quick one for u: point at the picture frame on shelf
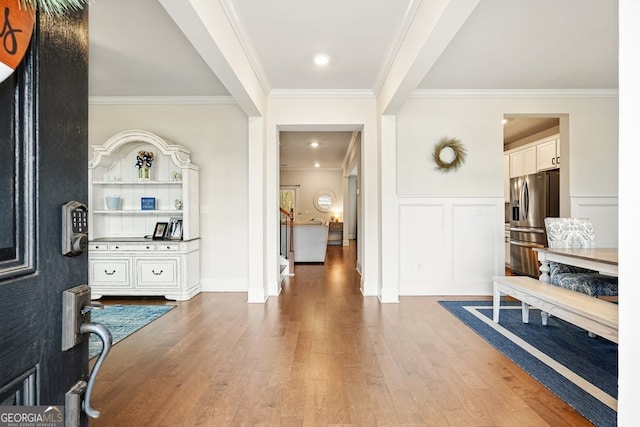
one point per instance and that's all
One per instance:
(174, 232)
(160, 231)
(148, 203)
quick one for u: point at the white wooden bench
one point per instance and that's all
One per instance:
(595, 315)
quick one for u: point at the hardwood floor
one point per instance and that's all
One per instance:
(319, 354)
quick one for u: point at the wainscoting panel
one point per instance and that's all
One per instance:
(424, 245)
(603, 213)
(474, 241)
(449, 246)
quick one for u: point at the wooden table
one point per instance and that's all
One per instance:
(604, 260)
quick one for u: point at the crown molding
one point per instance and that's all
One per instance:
(161, 100)
(513, 93)
(240, 29)
(393, 48)
(321, 93)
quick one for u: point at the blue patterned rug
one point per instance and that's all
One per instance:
(123, 320)
(582, 371)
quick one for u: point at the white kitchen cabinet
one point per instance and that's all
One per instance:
(124, 259)
(548, 154)
(534, 157)
(523, 162)
(507, 248)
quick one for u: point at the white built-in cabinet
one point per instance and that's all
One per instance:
(548, 154)
(523, 162)
(124, 259)
(534, 157)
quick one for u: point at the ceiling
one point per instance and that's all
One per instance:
(296, 151)
(502, 45)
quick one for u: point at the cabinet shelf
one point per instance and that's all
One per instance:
(137, 212)
(137, 182)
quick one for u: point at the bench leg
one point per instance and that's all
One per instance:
(496, 303)
(525, 312)
(545, 317)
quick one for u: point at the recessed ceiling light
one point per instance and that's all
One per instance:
(321, 59)
(317, 165)
(314, 144)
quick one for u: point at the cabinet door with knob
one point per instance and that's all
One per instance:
(549, 154)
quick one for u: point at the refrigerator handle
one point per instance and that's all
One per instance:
(526, 244)
(527, 230)
(525, 200)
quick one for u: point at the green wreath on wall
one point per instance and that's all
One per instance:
(449, 148)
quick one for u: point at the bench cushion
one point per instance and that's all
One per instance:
(582, 280)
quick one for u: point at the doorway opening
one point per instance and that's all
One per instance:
(531, 145)
(318, 183)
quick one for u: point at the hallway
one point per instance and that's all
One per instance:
(319, 354)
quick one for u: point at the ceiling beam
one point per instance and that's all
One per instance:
(434, 25)
(207, 27)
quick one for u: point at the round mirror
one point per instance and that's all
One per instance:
(323, 200)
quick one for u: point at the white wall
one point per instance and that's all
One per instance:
(451, 232)
(629, 350)
(217, 138)
(309, 182)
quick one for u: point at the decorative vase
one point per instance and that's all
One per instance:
(113, 203)
(143, 173)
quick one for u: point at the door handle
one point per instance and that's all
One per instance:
(107, 341)
(76, 327)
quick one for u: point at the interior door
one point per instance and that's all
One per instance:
(43, 164)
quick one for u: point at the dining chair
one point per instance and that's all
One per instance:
(576, 233)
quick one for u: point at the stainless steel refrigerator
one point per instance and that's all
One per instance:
(533, 198)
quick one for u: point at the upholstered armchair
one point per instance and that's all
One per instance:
(576, 233)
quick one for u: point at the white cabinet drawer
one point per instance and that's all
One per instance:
(153, 273)
(132, 247)
(168, 246)
(113, 271)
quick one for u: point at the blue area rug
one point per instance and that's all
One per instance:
(123, 320)
(582, 371)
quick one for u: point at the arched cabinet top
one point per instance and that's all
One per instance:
(112, 149)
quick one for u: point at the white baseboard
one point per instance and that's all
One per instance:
(224, 285)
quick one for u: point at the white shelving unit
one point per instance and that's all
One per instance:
(123, 258)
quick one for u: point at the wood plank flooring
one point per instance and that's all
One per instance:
(319, 354)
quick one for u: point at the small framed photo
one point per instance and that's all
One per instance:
(175, 229)
(160, 231)
(148, 203)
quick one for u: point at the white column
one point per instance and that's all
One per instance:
(389, 211)
(257, 292)
(629, 350)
